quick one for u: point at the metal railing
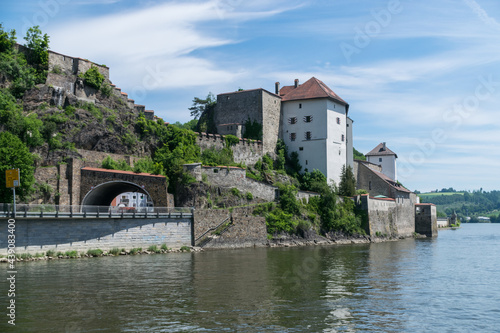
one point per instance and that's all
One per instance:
(221, 228)
(66, 211)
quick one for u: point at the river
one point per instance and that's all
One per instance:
(446, 284)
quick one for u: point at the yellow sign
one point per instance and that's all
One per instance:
(13, 178)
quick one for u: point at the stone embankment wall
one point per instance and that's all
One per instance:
(41, 235)
(426, 220)
(245, 230)
(388, 217)
(247, 151)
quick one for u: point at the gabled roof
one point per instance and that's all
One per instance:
(381, 150)
(391, 182)
(312, 88)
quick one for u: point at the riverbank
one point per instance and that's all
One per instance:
(282, 240)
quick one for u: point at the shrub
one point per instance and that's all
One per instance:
(93, 77)
(185, 248)
(154, 248)
(236, 192)
(164, 247)
(249, 196)
(114, 251)
(50, 253)
(95, 253)
(106, 89)
(279, 221)
(71, 254)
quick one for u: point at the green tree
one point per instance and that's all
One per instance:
(201, 106)
(93, 77)
(347, 186)
(38, 44)
(15, 154)
(358, 155)
(7, 40)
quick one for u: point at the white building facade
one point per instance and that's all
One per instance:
(386, 158)
(315, 124)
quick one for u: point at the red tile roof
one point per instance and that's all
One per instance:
(312, 88)
(379, 151)
(122, 172)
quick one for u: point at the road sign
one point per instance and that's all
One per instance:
(13, 178)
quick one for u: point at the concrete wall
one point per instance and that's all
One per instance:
(426, 220)
(247, 151)
(246, 230)
(41, 235)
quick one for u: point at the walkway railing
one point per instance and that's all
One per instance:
(63, 211)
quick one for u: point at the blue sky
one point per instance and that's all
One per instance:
(422, 76)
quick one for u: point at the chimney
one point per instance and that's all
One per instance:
(383, 146)
(277, 88)
(296, 83)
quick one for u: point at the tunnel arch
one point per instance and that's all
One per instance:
(103, 194)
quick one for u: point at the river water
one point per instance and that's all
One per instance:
(447, 284)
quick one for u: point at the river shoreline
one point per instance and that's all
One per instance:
(283, 240)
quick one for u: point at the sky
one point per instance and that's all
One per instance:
(422, 76)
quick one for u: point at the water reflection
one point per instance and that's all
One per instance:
(444, 284)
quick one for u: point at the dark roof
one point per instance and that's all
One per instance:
(312, 88)
(122, 172)
(391, 182)
(381, 151)
(247, 90)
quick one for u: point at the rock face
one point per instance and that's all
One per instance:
(203, 196)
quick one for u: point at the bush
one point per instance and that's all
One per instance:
(236, 192)
(109, 163)
(93, 77)
(249, 196)
(95, 253)
(279, 221)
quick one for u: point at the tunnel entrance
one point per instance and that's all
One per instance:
(103, 195)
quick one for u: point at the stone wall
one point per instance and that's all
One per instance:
(236, 108)
(387, 217)
(236, 177)
(426, 220)
(245, 230)
(246, 151)
(41, 235)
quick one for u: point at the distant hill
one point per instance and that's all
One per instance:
(464, 203)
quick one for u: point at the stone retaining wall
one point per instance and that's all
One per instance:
(41, 235)
(246, 230)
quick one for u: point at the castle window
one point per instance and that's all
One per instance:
(301, 148)
(370, 185)
(338, 121)
(380, 159)
(292, 120)
(308, 119)
(343, 138)
(308, 135)
(293, 136)
(306, 162)
(300, 106)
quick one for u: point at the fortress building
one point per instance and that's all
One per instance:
(311, 119)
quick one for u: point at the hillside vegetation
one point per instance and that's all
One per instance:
(465, 204)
